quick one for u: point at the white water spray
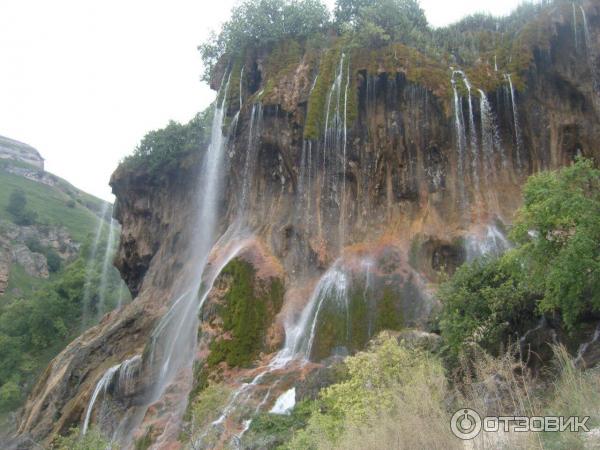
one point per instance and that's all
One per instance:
(106, 265)
(461, 141)
(518, 139)
(89, 272)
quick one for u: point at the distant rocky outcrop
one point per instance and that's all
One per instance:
(14, 248)
(18, 151)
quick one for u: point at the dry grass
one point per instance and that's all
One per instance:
(420, 418)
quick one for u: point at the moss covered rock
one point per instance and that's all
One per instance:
(246, 310)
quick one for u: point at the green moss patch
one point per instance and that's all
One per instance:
(247, 310)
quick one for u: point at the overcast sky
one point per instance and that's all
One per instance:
(83, 81)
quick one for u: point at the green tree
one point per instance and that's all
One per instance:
(260, 24)
(485, 303)
(558, 232)
(378, 22)
(554, 268)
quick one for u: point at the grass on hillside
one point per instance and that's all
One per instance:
(52, 205)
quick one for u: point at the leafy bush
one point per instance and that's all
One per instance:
(388, 379)
(555, 267)
(558, 233)
(271, 430)
(485, 303)
(53, 259)
(262, 23)
(17, 208)
(34, 328)
(379, 22)
(10, 396)
(92, 440)
(161, 151)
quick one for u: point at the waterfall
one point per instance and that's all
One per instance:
(241, 91)
(583, 348)
(101, 386)
(254, 134)
(178, 333)
(473, 136)
(90, 266)
(106, 265)
(490, 137)
(586, 30)
(518, 140)
(174, 339)
(335, 143)
(590, 53)
(575, 27)
(493, 242)
(127, 373)
(285, 403)
(123, 374)
(299, 337)
(461, 141)
(367, 265)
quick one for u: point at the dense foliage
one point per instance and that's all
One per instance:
(161, 151)
(17, 208)
(554, 268)
(380, 22)
(36, 325)
(558, 233)
(255, 23)
(388, 377)
(30, 329)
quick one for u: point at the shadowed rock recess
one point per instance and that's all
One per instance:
(334, 194)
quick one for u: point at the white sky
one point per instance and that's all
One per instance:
(83, 81)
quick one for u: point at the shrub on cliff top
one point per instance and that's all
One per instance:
(379, 22)
(161, 151)
(260, 23)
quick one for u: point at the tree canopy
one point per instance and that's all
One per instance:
(553, 269)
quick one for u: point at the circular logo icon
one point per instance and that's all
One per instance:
(465, 424)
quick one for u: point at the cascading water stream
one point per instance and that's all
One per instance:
(518, 139)
(583, 348)
(490, 137)
(492, 242)
(461, 141)
(101, 386)
(174, 339)
(575, 27)
(590, 50)
(106, 265)
(299, 338)
(89, 271)
(472, 135)
(241, 88)
(254, 133)
(335, 144)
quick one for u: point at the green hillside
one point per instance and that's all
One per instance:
(56, 267)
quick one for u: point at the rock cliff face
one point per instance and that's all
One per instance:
(350, 181)
(18, 151)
